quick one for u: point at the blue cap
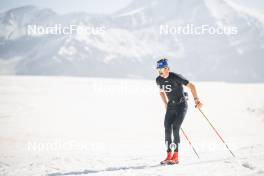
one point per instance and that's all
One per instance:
(162, 63)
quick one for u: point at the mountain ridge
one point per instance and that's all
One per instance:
(132, 42)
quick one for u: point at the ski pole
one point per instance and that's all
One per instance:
(189, 142)
(216, 132)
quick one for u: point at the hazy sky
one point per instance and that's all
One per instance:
(64, 6)
(98, 6)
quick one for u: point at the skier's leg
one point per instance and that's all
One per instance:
(168, 129)
(168, 132)
(178, 119)
(181, 111)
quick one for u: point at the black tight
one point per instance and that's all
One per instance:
(172, 123)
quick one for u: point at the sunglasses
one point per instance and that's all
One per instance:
(161, 70)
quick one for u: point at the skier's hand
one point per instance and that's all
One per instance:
(198, 104)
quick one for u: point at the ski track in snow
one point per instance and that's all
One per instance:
(236, 163)
(142, 167)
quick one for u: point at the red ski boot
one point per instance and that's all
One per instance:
(174, 159)
(167, 160)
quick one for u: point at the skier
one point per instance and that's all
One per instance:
(174, 99)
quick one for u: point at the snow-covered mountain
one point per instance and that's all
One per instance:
(131, 42)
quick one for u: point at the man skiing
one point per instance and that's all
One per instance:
(174, 99)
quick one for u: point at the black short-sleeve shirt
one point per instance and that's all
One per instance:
(172, 86)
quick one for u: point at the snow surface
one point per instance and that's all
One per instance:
(95, 126)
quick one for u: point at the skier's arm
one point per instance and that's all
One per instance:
(163, 98)
(191, 86)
